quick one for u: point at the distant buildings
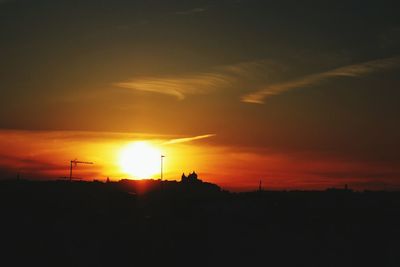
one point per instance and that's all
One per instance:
(345, 189)
(191, 178)
(195, 186)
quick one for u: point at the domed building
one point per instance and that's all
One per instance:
(191, 178)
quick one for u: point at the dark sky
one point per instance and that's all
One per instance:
(313, 77)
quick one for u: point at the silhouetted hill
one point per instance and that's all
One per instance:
(149, 223)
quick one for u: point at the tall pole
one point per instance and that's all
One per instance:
(162, 159)
(70, 171)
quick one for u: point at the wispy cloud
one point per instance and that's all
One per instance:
(355, 70)
(191, 11)
(180, 86)
(253, 72)
(188, 139)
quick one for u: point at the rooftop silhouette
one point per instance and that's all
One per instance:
(150, 222)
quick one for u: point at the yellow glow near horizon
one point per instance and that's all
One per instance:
(140, 159)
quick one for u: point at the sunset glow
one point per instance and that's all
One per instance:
(237, 91)
(140, 160)
(200, 133)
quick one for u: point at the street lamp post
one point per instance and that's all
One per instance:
(162, 159)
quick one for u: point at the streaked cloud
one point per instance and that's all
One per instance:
(95, 136)
(188, 139)
(180, 86)
(356, 70)
(256, 72)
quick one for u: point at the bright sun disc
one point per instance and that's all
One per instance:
(140, 159)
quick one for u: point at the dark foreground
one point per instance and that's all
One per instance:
(96, 224)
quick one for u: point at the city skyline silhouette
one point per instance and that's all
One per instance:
(199, 133)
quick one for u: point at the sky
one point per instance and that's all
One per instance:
(298, 94)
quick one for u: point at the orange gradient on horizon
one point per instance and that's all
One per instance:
(47, 155)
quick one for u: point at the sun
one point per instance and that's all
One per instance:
(140, 160)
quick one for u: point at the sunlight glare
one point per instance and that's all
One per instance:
(140, 159)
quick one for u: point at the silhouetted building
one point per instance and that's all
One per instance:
(191, 178)
(345, 189)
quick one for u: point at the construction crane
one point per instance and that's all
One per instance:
(75, 162)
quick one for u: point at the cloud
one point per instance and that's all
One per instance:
(192, 11)
(29, 164)
(355, 70)
(196, 83)
(256, 72)
(188, 139)
(178, 87)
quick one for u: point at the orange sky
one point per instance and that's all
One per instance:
(304, 99)
(46, 155)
